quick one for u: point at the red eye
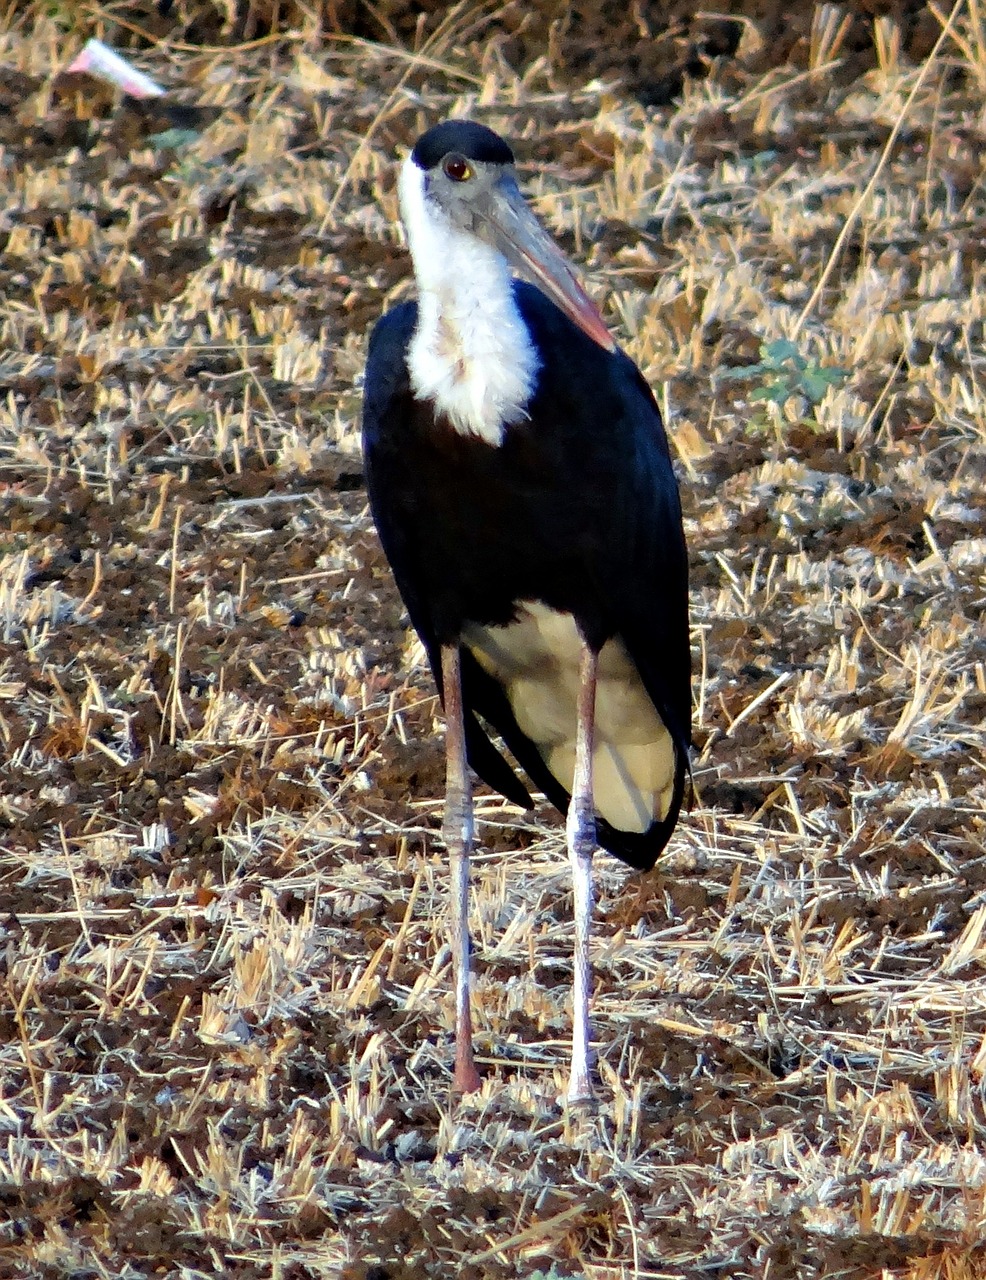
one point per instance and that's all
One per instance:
(457, 168)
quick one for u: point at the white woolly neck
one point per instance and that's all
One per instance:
(471, 352)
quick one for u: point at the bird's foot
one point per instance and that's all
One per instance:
(466, 1078)
(581, 1090)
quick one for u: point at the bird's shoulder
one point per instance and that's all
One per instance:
(574, 364)
(386, 360)
(392, 332)
(594, 396)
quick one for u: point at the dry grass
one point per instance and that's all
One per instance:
(225, 983)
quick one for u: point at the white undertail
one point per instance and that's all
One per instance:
(536, 659)
(471, 352)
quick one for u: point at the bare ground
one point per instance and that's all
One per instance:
(225, 986)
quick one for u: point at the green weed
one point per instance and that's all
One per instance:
(784, 373)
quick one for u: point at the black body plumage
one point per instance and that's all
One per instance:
(577, 509)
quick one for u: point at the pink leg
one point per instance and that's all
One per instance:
(580, 830)
(457, 830)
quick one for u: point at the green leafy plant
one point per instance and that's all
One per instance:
(783, 373)
(173, 139)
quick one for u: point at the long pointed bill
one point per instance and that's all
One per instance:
(527, 246)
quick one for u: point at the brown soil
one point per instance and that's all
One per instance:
(224, 989)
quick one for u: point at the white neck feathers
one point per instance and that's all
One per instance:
(471, 352)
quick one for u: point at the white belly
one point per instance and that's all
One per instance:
(536, 659)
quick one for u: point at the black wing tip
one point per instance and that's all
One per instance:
(641, 850)
(472, 140)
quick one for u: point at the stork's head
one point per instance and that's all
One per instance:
(460, 179)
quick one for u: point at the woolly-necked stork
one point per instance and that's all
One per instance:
(520, 480)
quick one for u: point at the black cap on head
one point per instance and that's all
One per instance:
(474, 141)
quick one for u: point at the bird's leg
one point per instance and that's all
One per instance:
(580, 829)
(457, 830)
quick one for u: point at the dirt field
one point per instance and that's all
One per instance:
(225, 1017)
